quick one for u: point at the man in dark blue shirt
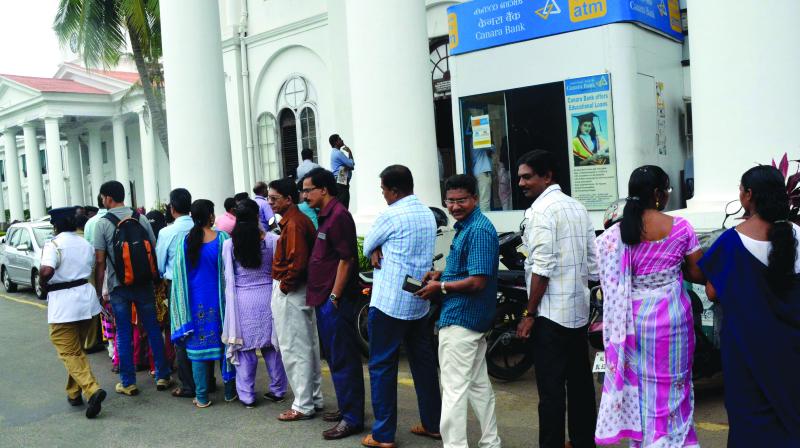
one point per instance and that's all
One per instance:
(468, 287)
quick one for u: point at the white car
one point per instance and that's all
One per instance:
(21, 253)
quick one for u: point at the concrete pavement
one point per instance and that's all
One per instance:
(34, 411)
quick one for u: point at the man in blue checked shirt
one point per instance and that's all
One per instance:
(400, 243)
(468, 287)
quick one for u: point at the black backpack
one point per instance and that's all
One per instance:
(133, 256)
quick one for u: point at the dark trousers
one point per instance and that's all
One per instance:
(385, 335)
(343, 194)
(562, 362)
(339, 346)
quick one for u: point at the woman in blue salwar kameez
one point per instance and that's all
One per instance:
(753, 271)
(197, 307)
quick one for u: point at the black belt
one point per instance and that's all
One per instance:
(66, 285)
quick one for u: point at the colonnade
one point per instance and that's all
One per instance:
(65, 178)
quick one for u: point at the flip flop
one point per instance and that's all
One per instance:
(368, 441)
(421, 431)
(200, 405)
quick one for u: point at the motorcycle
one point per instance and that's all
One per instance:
(507, 357)
(707, 358)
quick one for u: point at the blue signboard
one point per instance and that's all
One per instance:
(480, 24)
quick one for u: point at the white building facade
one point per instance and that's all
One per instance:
(64, 136)
(390, 78)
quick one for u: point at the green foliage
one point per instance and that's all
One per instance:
(363, 262)
(102, 27)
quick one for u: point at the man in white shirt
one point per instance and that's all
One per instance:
(66, 265)
(560, 240)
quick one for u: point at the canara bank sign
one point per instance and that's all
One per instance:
(481, 24)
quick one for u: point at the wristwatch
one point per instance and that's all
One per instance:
(444, 290)
(333, 298)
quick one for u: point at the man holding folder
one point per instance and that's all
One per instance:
(401, 244)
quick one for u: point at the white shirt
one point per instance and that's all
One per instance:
(560, 241)
(761, 249)
(72, 257)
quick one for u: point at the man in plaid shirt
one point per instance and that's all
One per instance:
(400, 243)
(468, 287)
(561, 261)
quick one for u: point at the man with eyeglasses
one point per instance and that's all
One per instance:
(468, 289)
(560, 239)
(294, 319)
(332, 285)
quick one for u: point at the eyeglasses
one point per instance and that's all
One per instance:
(460, 201)
(274, 198)
(309, 190)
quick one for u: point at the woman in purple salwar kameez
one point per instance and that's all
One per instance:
(248, 325)
(648, 328)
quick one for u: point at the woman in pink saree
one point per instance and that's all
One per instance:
(648, 328)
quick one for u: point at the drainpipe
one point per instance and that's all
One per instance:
(248, 122)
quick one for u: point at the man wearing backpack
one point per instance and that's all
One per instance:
(125, 256)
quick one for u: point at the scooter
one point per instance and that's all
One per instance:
(707, 358)
(507, 357)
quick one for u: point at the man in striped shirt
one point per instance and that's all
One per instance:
(561, 261)
(400, 243)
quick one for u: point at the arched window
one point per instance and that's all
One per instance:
(289, 152)
(267, 147)
(308, 130)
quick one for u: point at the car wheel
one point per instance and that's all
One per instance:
(7, 283)
(37, 287)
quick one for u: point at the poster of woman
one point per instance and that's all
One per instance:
(590, 144)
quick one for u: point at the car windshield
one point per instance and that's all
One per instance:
(42, 235)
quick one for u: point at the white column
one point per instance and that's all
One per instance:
(148, 162)
(12, 175)
(744, 65)
(36, 203)
(378, 26)
(95, 160)
(121, 156)
(200, 156)
(55, 167)
(76, 196)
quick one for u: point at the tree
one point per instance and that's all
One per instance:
(101, 28)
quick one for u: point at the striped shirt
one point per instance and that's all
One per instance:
(560, 241)
(474, 251)
(406, 233)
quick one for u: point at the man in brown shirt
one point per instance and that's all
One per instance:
(295, 321)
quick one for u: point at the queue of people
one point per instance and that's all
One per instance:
(290, 297)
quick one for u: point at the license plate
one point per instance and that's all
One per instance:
(599, 365)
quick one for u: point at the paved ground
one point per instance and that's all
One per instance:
(34, 411)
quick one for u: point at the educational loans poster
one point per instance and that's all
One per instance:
(590, 128)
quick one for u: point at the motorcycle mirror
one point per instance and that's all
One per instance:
(731, 210)
(440, 216)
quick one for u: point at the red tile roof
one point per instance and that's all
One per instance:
(131, 77)
(53, 85)
(122, 76)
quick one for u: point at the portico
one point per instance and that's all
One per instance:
(64, 136)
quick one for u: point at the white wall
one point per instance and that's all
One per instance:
(632, 55)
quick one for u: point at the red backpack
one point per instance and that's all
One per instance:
(133, 255)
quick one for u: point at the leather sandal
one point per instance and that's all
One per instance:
(292, 416)
(180, 393)
(368, 441)
(421, 431)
